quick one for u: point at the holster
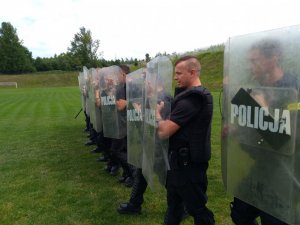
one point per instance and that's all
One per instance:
(180, 158)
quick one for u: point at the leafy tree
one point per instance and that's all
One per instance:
(14, 57)
(39, 64)
(45, 64)
(84, 49)
(64, 61)
(161, 54)
(147, 57)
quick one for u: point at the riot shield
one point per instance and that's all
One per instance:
(135, 85)
(81, 83)
(224, 120)
(86, 78)
(91, 98)
(158, 88)
(260, 110)
(96, 93)
(112, 88)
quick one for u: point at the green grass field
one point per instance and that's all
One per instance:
(43, 79)
(49, 177)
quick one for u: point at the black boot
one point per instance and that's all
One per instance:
(204, 217)
(96, 150)
(128, 208)
(90, 142)
(114, 170)
(172, 219)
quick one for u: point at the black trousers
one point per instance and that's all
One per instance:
(119, 154)
(138, 189)
(187, 186)
(104, 144)
(244, 214)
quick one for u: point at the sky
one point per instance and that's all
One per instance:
(132, 28)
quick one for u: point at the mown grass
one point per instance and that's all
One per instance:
(49, 177)
(43, 79)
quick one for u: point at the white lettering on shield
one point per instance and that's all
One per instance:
(150, 116)
(259, 118)
(108, 100)
(134, 115)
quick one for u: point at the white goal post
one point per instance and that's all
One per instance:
(9, 84)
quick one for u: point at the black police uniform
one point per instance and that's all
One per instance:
(119, 146)
(140, 184)
(112, 165)
(189, 153)
(243, 213)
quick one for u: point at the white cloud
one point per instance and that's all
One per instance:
(133, 28)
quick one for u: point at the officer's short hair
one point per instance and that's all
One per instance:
(193, 62)
(268, 47)
(125, 68)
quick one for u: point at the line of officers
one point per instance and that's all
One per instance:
(157, 140)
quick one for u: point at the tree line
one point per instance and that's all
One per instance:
(15, 58)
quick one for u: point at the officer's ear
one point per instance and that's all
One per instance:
(193, 72)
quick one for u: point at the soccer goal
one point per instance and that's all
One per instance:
(9, 84)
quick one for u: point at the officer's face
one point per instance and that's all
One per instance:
(122, 77)
(109, 83)
(260, 66)
(182, 75)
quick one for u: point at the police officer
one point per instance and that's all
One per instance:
(119, 146)
(188, 130)
(265, 68)
(140, 184)
(103, 143)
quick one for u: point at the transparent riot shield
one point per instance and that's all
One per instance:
(259, 131)
(86, 84)
(96, 93)
(158, 88)
(112, 86)
(81, 83)
(135, 85)
(91, 98)
(224, 118)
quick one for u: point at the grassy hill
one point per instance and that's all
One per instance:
(43, 79)
(212, 73)
(212, 69)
